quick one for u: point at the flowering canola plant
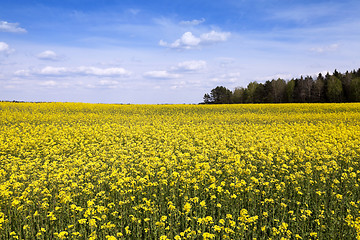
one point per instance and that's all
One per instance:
(101, 171)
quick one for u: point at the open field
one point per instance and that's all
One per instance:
(94, 171)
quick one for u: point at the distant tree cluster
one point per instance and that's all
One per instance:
(336, 87)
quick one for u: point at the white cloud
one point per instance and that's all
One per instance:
(22, 72)
(214, 37)
(4, 48)
(189, 41)
(101, 71)
(48, 55)
(178, 85)
(161, 75)
(11, 27)
(323, 49)
(50, 83)
(193, 22)
(285, 76)
(53, 71)
(108, 83)
(191, 65)
(82, 70)
(228, 78)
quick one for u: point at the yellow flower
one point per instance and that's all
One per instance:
(313, 234)
(127, 231)
(110, 237)
(217, 228)
(82, 221)
(63, 235)
(187, 207)
(189, 170)
(92, 222)
(208, 236)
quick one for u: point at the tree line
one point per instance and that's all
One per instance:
(335, 87)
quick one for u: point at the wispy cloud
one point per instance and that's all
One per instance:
(50, 83)
(103, 83)
(190, 66)
(178, 70)
(11, 27)
(5, 48)
(305, 13)
(102, 71)
(134, 11)
(285, 76)
(82, 70)
(226, 61)
(233, 77)
(48, 55)
(161, 75)
(189, 41)
(328, 48)
(193, 22)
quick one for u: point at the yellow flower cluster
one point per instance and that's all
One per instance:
(96, 171)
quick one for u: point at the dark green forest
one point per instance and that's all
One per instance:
(335, 87)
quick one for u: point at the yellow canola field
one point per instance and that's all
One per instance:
(96, 171)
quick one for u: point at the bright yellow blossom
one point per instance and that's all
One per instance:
(107, 171)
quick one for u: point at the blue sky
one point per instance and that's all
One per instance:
(167, 51)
